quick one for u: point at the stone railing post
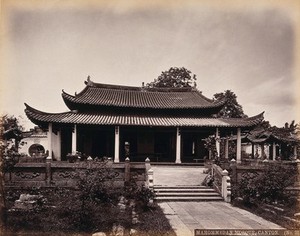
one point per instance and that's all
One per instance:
(150, 179)
(89, 161)
(110, 162)
(233, 170)
(127, 170)
(147, 168)
(298, 173)
(226, 186)
(147, 164)
(48, 170)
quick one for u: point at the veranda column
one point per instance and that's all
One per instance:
(238, 146)
(295, 152)
(226, 148)
(59, 145)
(262, 147)
(178, 145)
(74, 139)
(217, 142)
(50, 140)
(274, 151)
(117, 144)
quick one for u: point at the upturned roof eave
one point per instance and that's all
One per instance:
(75, 117)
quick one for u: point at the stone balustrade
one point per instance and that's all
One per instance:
(64, 174)
(221, 182)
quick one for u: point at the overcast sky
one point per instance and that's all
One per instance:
(249, 50)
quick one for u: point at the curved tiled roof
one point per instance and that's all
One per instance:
(96, 94)
(74, 117)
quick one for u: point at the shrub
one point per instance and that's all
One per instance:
(268, 186)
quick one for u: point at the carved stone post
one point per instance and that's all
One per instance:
(48, 171)
(150, 179)
(233, 171)
(239, 146)
(226, 186)
(127, 170)
(147, 164)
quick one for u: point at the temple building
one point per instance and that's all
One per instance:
(163, 124)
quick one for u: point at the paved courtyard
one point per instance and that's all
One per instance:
(187, 216)
(178, 175)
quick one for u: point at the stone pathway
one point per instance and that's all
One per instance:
(187, 216)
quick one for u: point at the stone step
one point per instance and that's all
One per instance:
(172, 165)
(186, 194)
(193, 190)
(181, 187)
(184, 198)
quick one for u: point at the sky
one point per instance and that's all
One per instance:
(249, 49)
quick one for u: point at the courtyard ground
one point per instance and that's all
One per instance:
(184, 217)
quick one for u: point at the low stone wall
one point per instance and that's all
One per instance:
(64, 174)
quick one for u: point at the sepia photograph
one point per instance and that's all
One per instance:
(151, 118)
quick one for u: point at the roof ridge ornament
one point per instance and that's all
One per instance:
(89, 82)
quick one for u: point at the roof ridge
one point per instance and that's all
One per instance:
(90, 83)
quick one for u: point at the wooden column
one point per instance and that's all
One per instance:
(49, 136)
(274, 151)
(59, 145)
(178, 146)
(74, 139)
(226, 148)
(238, 146)
(217, 142)
(117, 144)
(262, 147)
(295, 152)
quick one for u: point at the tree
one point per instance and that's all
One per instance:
(174, 78)
(2, 191)
(231, 108)
(10, 128)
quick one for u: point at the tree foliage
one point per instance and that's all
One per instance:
(10, 128)
(268, 186)
(174, 78)
(231, 108)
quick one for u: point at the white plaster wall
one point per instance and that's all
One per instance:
(248, 149)
(42, 140)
